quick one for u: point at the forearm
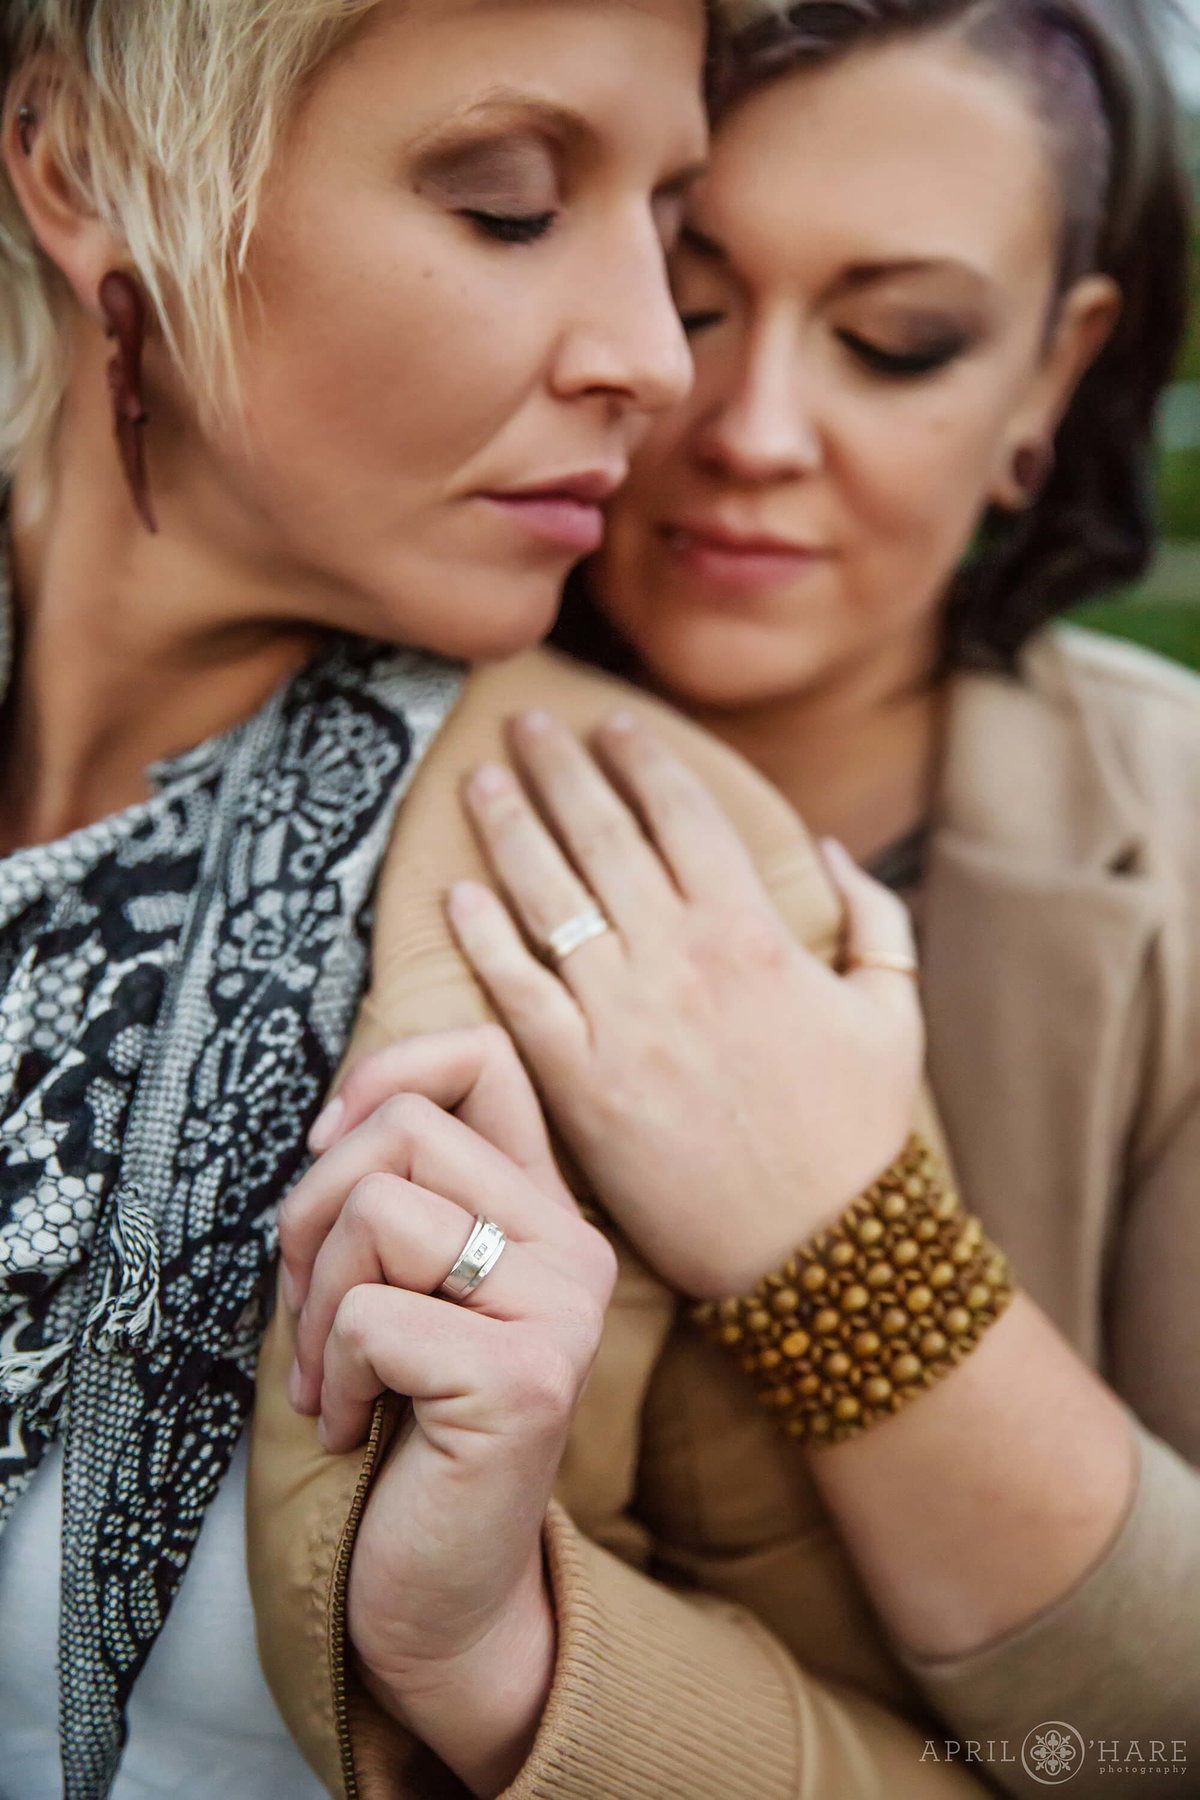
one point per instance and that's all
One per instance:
(989, 1497)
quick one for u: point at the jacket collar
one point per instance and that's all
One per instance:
(1033, 774)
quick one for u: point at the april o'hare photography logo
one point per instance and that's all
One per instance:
(1053, 1753)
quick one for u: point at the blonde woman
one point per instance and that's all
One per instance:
(326, 326)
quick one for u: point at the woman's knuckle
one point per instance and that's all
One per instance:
(353, 1321)
(603, 835)
(599, 1260)
(289, 1232)
(493, 1042)
(370, 1201)
(406, 1118)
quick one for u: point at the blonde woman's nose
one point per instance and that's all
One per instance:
(626, 341)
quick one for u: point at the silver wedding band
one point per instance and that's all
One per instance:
(480, 1254)
(571, 936)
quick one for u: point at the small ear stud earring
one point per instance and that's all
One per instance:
(26, 124)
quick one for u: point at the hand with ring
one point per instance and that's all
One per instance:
(725, 1092)
(435, 1252)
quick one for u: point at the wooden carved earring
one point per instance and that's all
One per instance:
(124, 307)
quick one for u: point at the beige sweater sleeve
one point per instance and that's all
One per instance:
(1118, 1658)
(660, 1695)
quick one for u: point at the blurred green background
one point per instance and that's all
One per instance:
(1164, 612)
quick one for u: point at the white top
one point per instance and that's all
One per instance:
(202, 1722)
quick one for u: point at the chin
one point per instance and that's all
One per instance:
(478, 615)
(706, 670)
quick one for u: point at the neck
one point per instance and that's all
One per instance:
(857, 756)
(130, 647)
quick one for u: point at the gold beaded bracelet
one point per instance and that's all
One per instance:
(871, 1312)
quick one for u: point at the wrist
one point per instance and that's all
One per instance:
(480, 1710)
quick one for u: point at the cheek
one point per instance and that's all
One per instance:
(386, 352)
(913, 481)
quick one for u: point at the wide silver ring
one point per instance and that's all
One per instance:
(571, 936)
(479, 1256)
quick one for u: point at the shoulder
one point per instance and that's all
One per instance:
(1139, 712)
(420, 981)
(1121, 679)
(583, 697)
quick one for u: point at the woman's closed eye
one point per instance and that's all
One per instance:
(924, 359)
(509, 228)
(505, 189)
(695, 319)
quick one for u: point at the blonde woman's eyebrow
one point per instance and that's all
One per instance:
(501, 109)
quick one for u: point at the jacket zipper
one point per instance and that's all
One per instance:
(337, 1606)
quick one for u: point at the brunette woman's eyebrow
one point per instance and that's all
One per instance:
(864, 275)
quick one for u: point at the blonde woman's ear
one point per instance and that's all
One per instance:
(61, 216)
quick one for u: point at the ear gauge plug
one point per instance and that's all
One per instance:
(1033, 466)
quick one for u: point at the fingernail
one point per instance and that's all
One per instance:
(467, 899)
(621, 722)
(322, 1434)
(288, 1288)
(536, 722)
(296, 1387)
(492, 778)
(325, 1125)
(835, 850)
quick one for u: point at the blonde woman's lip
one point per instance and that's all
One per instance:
(565, 511)
(557, 519)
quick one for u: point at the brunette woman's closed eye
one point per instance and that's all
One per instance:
(928, 359)
(701, 319)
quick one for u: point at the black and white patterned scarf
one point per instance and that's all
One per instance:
(177, 985)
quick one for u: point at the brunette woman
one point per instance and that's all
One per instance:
(934, 284)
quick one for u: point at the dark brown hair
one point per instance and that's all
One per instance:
(1095, 71)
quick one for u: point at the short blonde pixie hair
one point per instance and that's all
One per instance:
(166, 114)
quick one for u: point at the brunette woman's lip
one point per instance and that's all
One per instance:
(738, 560)
(558, 519)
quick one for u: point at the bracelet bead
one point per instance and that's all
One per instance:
(871, 1312)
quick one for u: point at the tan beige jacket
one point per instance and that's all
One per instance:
(715, 1643)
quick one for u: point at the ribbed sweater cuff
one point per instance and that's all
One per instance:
(655, 1695)
(1119, 1656)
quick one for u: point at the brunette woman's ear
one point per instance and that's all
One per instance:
(1087, 316)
